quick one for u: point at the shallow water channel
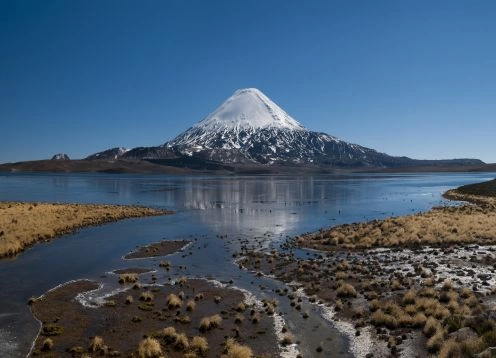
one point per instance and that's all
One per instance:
(217, 214)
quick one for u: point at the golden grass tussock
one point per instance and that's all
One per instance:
(23, 224)
(190, 305)
(380, 318)
(287, 339)
(129, 299)
(236, 350)
(96, 344)
(47, 344)
(431, 326)
(346, 290)
(173, 301)
(182, 342)
(146, 296)
(450, 349)
(466, 292)
(435, 342)
(208, 323)
(128, 278)
(149, 348)
(241, 307)
(169, 334)
(199, 344)
(182, 281)
(409, 297)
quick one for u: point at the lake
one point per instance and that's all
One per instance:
(216, 212)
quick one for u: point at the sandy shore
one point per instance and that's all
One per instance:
(23, 224)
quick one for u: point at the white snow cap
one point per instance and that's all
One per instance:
(248, 108)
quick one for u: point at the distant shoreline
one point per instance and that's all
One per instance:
(120, 166)
(22, 224)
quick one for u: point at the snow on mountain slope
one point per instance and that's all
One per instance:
(249, 127)
(248, 109)
(109, 154)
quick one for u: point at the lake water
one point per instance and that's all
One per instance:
(263, 210)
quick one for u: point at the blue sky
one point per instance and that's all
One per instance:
(415, 78)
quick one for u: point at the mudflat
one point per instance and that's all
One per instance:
(22, 224)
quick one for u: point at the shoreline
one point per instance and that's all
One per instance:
(415, 297)
(23, 224)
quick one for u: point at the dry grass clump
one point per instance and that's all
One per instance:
(128, 278)
(129, 299)
(447, 285)
(199, 344)
(379, 318)
(173, 301)
(431, 326)
(340, 275)
(191, 305)
(239, 318)
(208, 323)
(96, 344)
(182, 281)
(409, 297)
(241, 307)
(287, 339)
(236, 350)
(346, 290)
(181, 343)
(466, 292)
(149, 348)
(146, 296)
(47, 344)
(435, 342)
(169, 334)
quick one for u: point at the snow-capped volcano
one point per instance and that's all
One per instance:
(249, 127)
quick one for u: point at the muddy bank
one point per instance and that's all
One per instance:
(171, 314)
(23, 224)
(162, 248)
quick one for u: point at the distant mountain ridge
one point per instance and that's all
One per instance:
(250, 129)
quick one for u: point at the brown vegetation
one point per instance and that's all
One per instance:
(23, 224)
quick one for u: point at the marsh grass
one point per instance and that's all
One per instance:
(173, 301)
(149, 348)
(236, 350)
(200, 345)
(96, 344)
(128, 278)
(208, 323)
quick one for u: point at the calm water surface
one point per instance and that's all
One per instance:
(263, 210)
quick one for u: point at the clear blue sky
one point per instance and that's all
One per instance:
(415, 78)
